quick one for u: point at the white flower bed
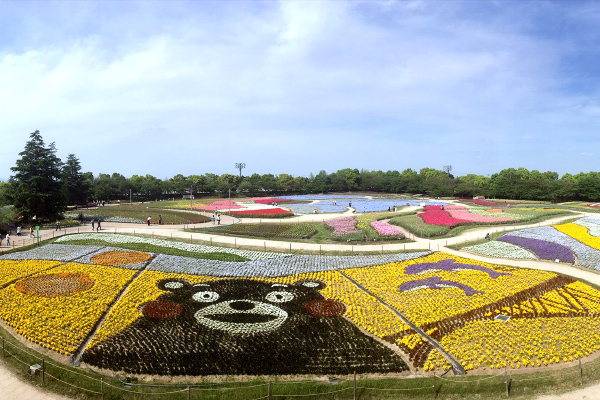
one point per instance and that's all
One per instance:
(196, 248)
(586, 255)
(288, 265)
(58, 252)
(501, 250)
(592, 225)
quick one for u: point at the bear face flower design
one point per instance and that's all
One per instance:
(218, 305)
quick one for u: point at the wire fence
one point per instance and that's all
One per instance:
(93, 386)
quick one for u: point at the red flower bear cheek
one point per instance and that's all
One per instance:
(161, 309)
(325, 307)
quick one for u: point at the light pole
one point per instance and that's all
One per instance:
(239, 166)
(191, 198)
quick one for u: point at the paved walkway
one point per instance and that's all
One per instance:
(11, 387)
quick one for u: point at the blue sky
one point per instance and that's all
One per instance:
(190, 87)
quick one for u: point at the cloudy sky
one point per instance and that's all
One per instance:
(168, 87)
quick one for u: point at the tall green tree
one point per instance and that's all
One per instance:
(74, 183)
(35, 188)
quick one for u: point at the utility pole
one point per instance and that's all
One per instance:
(191, 198)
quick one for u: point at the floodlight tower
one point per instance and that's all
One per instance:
(240, 166)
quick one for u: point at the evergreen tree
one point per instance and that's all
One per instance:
(75, 186)
(35, 188)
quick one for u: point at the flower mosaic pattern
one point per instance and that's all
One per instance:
(500, 249)
(543, 249)
(311, 310)
(586, 255)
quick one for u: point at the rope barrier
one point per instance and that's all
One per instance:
(469, 381)
(75, 386)
(74, 372)
(394, 389)
(230, 388)
(145, 393)
(311, 394)
(17, 358)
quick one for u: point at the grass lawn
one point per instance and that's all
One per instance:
(140, 212)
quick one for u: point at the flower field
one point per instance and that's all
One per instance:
(266, 230)
(577, 243)
(291, 314)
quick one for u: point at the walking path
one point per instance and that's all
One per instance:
(12, 387)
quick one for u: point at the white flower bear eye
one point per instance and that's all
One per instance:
(205, 297)
(279, 297)
(173, 285)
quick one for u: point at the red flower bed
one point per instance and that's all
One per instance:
(434, 215)
(481, 202)
(266, 211)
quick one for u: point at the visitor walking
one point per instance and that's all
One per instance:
(98, 229)
(31, 231)
(7, 239)
(159, 219)
(218, 219)
(93, 224)
(149, 219)
(213, 219)
(58, 225)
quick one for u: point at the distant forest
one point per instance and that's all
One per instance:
(509, 183)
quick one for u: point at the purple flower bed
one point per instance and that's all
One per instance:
(544, 250)
(343, 226)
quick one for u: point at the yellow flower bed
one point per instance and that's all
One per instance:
(430, 305)
(364, 310)
(13, 269)
(61, 323)
(519, 343)
(141, 291)
(579, 233)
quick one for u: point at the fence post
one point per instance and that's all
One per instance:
(434, 390)
(290, 247)
(102, 387)
(354, 385)
(188, 393)
(235, 243)
(580, 373)
(3, 354)
(190, 239)
(265, 243)
(43, 372)
(506, 380)
(269, 391)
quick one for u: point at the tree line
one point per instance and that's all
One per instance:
(43, 185)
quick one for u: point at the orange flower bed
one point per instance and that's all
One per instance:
(119, 257)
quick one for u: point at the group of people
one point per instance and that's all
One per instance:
(149, 219)
(97, 224)
(216, 217)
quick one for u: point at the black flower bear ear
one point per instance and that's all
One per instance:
(309, 283)
(173, 285)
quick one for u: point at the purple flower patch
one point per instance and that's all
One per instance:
(449, 265)
(436, 282)
(544, 250)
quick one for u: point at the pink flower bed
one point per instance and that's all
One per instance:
(221, 205)
(266, 211)
(267, 200)
(467, 215)
(385, 229)
(481, 202)
(343, 226)
(434, 215)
